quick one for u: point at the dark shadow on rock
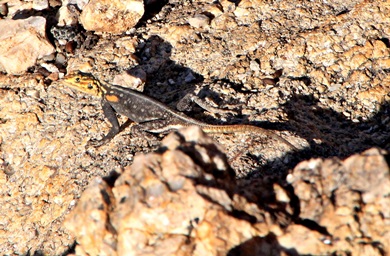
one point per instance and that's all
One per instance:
(340, 136)
(169, 82)
(267, 245)
(152, 8)
(49, 14)
(330, 133)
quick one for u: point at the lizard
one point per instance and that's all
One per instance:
(152, 115)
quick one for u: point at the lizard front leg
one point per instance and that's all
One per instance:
(109, 113)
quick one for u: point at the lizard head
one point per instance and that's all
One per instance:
(84, 82)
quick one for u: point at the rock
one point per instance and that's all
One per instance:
(111, 16)
(50, 71)
(199, 21)
(22, 42)
(50, 67)
(31, 202)
(67, 15)
(134, 79)
(175, 34)
(3, 9)
(346, 200)
(40, 4)
(97, 238)
(84, 65)
(80, 3)
(128, 44)
(146, 204)
(15, 6)
(333, 56)
(184, 200)
(168, 204)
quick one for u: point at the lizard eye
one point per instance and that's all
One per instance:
(90, 86)
(77, 79)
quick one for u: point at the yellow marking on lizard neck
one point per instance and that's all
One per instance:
(85, 83)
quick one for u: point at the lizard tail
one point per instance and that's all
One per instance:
(242, 128)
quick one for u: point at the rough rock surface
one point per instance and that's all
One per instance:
(111, 16)
(185, 201)
(22, 42)
(316, 73)
(345, 203)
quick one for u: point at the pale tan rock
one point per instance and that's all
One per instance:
(94, 238)
(80, 3)
(199, 21)
(379, 49)
(215, 9)
(289, 58)
(67, 15)
(50, 67)
(84, 65)
(333, 192)
(129, 44)
(228, 6)
(111, 16)
(241, 12)
(378, 94)
(132, 79)
(225, 21)
(318, 49)
(3, 9)
(383, 63)
(22, 42)
(175, 34)
(36, 198)
(155, 201)
(303, 241)
(320, 77)
(15, 6)
(40, 4)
